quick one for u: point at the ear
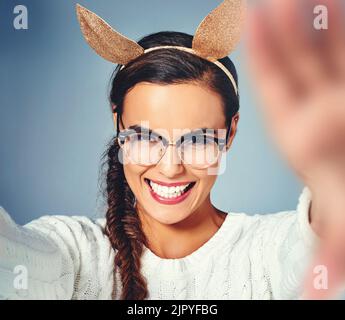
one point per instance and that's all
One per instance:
(219, 33)
(115, 116)
(108, 43)
(115, 119)
(234, 124)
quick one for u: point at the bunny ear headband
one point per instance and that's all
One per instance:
(215, 38)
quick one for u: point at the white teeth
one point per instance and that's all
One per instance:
(168, 192)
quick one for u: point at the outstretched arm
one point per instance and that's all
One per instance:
(298, 64)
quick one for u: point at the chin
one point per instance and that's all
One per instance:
(168, 215)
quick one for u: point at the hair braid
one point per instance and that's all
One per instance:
(124, 229)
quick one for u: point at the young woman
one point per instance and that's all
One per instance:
(176, 115)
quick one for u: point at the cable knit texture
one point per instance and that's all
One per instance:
(249, 257)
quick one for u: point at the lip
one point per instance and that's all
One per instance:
(170, 201)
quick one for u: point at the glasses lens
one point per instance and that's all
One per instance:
(199, 151)
(143, 149)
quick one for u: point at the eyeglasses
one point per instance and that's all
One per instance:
(199, 149)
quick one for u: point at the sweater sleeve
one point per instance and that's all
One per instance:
(54, 257)
(289, 247)
(32, 266)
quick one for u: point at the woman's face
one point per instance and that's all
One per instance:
(171, 111)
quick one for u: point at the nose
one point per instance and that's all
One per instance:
(170, 165)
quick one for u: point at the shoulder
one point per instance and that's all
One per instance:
(279, 225)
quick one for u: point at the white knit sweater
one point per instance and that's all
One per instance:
(249, 257)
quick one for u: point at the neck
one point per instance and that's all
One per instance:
(183, 238)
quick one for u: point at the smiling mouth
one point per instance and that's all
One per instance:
(169, 194)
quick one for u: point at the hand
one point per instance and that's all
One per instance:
(300, 74)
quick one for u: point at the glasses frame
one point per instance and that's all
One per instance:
(122, 135)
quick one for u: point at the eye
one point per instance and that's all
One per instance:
(148, 137)
(142, 137)
(201, 140)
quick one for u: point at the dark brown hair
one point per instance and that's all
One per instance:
(166, 66)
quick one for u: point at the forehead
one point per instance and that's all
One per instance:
(178, 106)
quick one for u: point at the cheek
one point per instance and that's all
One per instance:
(133, 174)
(133, 170)
(206, 181)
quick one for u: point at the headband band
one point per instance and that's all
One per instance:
(192, 51)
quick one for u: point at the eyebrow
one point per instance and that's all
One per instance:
(138, 128)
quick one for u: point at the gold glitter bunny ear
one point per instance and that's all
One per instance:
(219, 33)
(108, 43)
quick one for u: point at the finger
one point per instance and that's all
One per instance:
(291, 29)
(265, 65)
(330, 42)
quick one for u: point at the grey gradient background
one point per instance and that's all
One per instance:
(55, 120)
